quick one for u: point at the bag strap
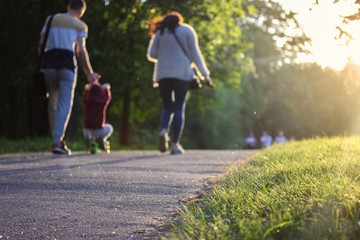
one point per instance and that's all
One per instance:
(196, 74)
(195, 71)
(43, 45)
(181, 46)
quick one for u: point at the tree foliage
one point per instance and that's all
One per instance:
(343, 33)
(306, 101)
(247, 49)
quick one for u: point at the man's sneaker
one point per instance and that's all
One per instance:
(60, 148)
(163, 143)
(176, 148)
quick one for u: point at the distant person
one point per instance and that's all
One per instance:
(292, 138)
(66, 39)
(96, 99)
(280, 138)
(251, 141)
(266, 140)
(173, 73)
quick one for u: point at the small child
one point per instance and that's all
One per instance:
(96, 99)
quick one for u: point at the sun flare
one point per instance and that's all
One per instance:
(320, 22)
(354, 55)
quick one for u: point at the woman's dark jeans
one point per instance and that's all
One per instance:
(173, 93)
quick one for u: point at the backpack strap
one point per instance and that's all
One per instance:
(43, 45)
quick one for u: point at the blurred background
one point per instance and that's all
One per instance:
(290, 66)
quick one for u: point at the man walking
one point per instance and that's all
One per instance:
(67, 39)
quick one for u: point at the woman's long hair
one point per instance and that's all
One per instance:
(170, 21)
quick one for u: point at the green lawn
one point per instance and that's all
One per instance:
(299, 190)
(35, 145)
(44, 145)
(25, 145)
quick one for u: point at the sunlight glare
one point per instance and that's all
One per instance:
(355, 53)
(319, 23)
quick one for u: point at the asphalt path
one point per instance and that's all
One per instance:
(121, 195)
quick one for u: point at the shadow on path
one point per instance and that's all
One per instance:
(121, 195)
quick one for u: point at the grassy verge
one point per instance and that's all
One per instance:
(299, 190)
(39, 144)
(44, 145)
(25, 145)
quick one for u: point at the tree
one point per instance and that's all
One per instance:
(22, 22)
(240, 41)
(118, 49)
(343, 32)
(264, 28)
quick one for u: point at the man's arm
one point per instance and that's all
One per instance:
(84, 59)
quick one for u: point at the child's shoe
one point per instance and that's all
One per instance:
(94, 148)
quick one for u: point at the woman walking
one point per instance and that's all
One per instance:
(174, 49)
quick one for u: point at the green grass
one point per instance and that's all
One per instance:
(44, 145)
(39, 144)
(299, 190)
(25, 145)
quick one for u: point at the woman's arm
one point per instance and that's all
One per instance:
(195, 52)
(153, 49)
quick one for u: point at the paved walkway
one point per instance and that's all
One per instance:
(121, 195)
